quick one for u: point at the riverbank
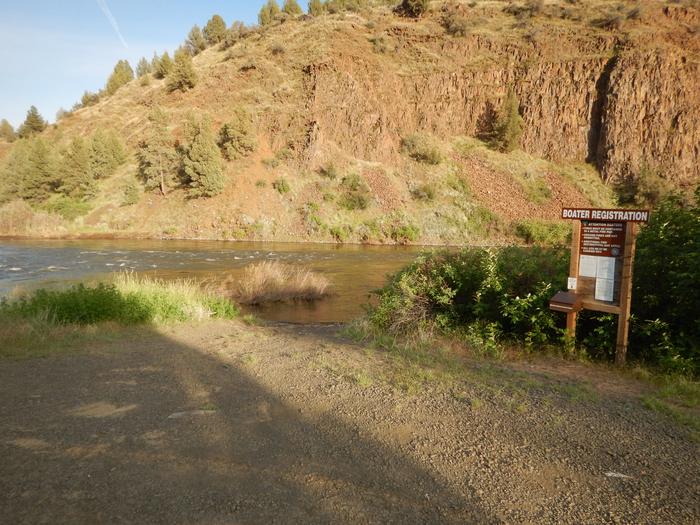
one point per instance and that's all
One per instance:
(226, 421)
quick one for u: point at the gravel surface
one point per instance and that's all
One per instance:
(225, 423)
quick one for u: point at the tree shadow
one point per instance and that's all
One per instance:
(486, 123)
(161, 432)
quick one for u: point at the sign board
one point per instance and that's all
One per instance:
(598, 214)
(600, 272)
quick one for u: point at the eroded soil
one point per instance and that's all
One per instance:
(226, 423)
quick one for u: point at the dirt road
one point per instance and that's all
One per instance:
(224, 423)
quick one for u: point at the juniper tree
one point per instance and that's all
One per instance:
(237, 137)
(316, 7)
(182, 76)
(143, 68)
(195, 42)
(39, 176)
(106, 154)
(201, 159)
(122, 74)
(215, 30)
(414, 8)
(89, 98)
(34, 123)
(509, 125)
(7, 132)
(13, 172)
(268, 13)
(291, 7)
(156, 155)
(164, 66)
(75, 173)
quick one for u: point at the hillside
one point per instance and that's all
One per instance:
(606, 91)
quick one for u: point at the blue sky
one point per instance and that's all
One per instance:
(51, 51)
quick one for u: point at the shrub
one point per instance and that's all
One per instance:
(268, 13)
(281, 185)
(508, 128)
(424, 192)
(341, 233)
(414, 8)
(421, 148)
(182, 76)
(201, 159)
(122, 74)
(237, 137)
(291, 7)
(355, 194)
(131, 194)
(215, 30)
(647, 188)
(272, 281)
(328, 171)
(404, 233)
(195, 42)
(455, 24)
(447, 292)
(68, 208)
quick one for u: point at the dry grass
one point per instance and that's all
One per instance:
(272, 281)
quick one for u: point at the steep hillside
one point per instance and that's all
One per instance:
(605, 90)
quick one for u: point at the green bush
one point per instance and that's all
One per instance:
(424, 192)
(281, 185)
(414, 8)
(356, 195)
(404, 233)
(421, 148)
(132, 194)
(328, 171)
(508, 289)
(68, 208)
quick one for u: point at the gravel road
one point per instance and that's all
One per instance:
(223, 423)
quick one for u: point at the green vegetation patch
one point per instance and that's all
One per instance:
(129, 300)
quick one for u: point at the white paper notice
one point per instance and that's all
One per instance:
(604, 289)
(572, 282)
(606, 268)
(588, 266)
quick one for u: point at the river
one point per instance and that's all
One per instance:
(353, 270)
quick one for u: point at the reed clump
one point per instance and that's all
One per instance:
(273, 281)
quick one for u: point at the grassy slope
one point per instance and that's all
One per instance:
(478, 194)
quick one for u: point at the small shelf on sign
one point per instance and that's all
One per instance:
(566, 302)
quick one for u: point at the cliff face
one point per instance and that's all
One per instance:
(617, 103)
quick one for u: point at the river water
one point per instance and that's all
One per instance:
(353, 270)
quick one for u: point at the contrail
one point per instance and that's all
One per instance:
(112, 20)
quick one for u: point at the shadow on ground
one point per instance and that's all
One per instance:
(162, 433)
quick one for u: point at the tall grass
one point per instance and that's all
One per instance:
(128, 300)
(272, 281)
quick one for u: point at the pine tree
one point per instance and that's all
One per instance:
(201, 159)
(164, 66)
(316, 8)
(156, 156)
(40, 178)
(509, 126)
(143, 68)
(34, 123)
(122, 74)
(215, 30)
(291, 7)
(268, 13)
(237, 137)
(7, 132)
(183, 76)
(75, 173)
(195, 42)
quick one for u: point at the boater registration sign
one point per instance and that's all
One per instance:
(600, 273)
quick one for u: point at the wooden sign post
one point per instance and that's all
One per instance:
(600, 272)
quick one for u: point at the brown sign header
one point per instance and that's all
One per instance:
(597, 214)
